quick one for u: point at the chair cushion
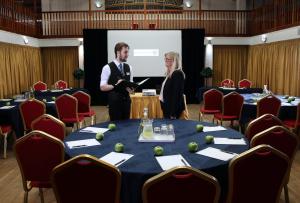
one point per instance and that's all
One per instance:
(220, 116)
(87, 114)
(5, 128)
(40, 184)
(73, 120)
(290, 123)
(209, 111)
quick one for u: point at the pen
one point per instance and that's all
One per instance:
(78, 146)
(183, 161)
(118, 163)
(227, 151)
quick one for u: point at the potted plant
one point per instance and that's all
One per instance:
(207, 73)
(78, 75)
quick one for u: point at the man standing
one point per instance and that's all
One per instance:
(112, 74)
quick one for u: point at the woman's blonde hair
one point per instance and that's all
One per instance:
(176, 61)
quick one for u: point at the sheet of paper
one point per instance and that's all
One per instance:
(167, 162)
(216, 154)
(93, 130)
(228, 141)
(7, 107)
(82, 143)
(20, 100)
(51, 102)
(115, 158)
(213, 128)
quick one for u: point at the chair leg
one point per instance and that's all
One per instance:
(286, 193)
(5, 145)
(41, 195)
(26, 197)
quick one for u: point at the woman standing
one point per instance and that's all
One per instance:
(171, 94)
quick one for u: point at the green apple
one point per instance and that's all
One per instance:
(286, 96)
(290, 100)
(53, 98)
(7, 103)
(112, 126)
(293, 98)
(119, 147)
(209, 139)
(99, 136)
(158, 151)
(45, 100)
(193, 146)
(199, 128)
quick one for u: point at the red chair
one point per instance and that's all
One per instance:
(227, 83)
(212, 103)
(260, 124)
(281, 139)
(31, 110)
(232, 105)
(245, 83)
(5, 130)
(67, 110)
(61, 84)
(181, 184)
(257, 175)
(269, 104)
(86, 179)
(37, 154)
(84, 105)
(50, 125)
(38, 86)
(294, 124)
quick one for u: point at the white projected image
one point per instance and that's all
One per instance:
(147, 49)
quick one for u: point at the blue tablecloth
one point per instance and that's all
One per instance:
(201, 91)
(143, 164)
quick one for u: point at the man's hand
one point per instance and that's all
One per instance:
(131, 91)
(119, 81)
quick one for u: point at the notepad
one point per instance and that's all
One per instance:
(93, 130)
(115, 158)
(216, 154)
(167, 162)
(228, 141)
(7, 107)
(213, 128)
(82, 143)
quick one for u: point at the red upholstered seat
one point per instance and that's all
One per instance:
(269, 104)
(257, 175)
(227, 83)
(294, 124)
(50, 125)
(5, 130)
(220, 116)
(37, 154)
(86, 179)
(212, 102)
(84, 105)
(40, 86)
(245, 83)
(260, 124)
(181, 184)
(60, 84)
(31, 110)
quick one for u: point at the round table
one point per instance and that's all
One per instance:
(143, 164)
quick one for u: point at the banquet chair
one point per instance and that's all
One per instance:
(185, 113)
(60, 84)
(5, 130)
(67, 110)
(37, 153)
(227, 83)
(294, 125)
(181, 184)
(30, 110)
(50, 125)
(38, 86)
(245, 83)
(260, 124)
(232, 105)
(257, 175)
(84, 105)
(212, 103)
(268, 104)
(281, 139)
(85, 178)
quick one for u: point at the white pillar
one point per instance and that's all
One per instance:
(209, 53)
(80, 54)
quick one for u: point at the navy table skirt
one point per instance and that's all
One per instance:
(143, 164)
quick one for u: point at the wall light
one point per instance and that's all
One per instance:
(25, 39)
(98, 4)
(188, 3)
(264, 38)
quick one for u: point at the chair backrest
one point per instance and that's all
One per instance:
(257, 175)
(37, 154)
(227, 83)
(181, 184)
(245, 83)
(232, 104)
(280, 138)
(212, 99)
(297, 124)
(66, 106)
(31, 110)
(269, 104)
(60, 84)
(84, 101)
(86, 179)
(38, 86)
(260, 124)
(50, 125)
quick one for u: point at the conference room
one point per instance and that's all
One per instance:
(149, 101)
